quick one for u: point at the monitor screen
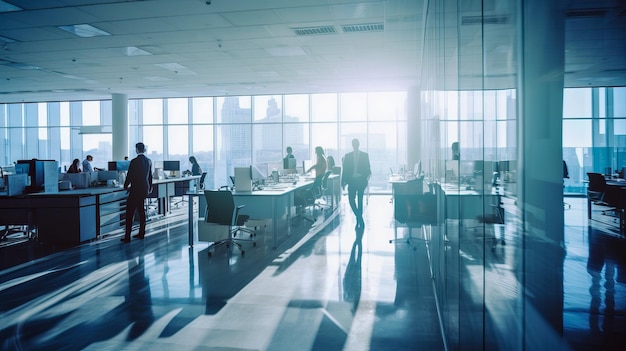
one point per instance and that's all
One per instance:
(171, 165)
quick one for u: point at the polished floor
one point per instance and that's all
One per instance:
(328, 287)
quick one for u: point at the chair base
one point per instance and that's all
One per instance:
(233, 240)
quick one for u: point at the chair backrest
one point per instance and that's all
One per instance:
(202, 177)
(596, 182)
(220, 206)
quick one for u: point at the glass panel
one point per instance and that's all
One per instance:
(152, 111)
(324, 107)
(268, 108)
(619, 102)
(91, 113)
(577, 103)
(202, 110)
(296, 108)
(153, 139)
(353, 107)
(65, 114)
(268, 143)
(177, 144)
(177, 111)
(234, 109)
(386, 106)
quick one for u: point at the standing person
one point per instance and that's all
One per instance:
(195, 167)
(356, 174)
(74, 168)
(320, 167)
(138, 184)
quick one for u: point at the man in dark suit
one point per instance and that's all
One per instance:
(355, 174)
(138, 184)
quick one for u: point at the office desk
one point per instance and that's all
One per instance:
(273, 202)
(164, 189)
(67, 217)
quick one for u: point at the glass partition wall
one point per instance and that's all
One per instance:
(469, 101)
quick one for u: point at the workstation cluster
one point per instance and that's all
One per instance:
(58, 208)
(469, 191)
(267, 194)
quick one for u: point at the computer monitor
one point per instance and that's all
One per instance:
(243, 179)
(171, 165)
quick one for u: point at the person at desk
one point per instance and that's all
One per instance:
(356, 173)
(456, 152)
(287, 164)
(332, 166)
(74, 168)
(138, 183)
(195, 167)
(320, 167)
(87, 167)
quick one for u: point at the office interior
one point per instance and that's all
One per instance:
(522, 85)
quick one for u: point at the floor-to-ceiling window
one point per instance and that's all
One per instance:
(221, 132)
(594, 134)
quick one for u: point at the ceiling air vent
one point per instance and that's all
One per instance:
(300, 31)
(365, 27)
(491, 19)
(585, 13)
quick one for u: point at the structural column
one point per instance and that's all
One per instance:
(120, 126)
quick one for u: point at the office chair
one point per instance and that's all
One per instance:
(596, 191)
(320, 192)
(221, 210)
(566, 205)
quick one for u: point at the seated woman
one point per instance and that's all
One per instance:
(320, 167)
(74, 168)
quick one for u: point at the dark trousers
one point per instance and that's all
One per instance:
(135, 203)
(356, 190)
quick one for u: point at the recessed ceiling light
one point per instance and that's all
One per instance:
(6, 7)
(84, 30)
(135, 51)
